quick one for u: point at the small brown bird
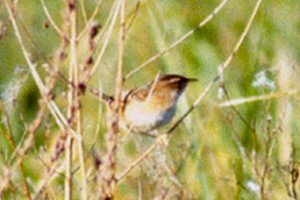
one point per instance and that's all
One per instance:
(154, 105)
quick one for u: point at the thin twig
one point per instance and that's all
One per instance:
(195, 104)
(51, 19)
(99, 113)
(83, 11)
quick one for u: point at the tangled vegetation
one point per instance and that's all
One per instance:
(236, 131)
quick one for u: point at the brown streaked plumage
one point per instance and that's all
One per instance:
(150, 107)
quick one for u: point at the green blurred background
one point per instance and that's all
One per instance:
(217, 153)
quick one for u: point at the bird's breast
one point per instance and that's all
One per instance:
(147, 115)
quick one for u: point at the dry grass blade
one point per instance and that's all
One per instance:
(244, 34)
(241, 101)
(51, 19)
(179, 41)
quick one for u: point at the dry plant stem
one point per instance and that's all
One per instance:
(107, 23)
(83, 11)
(153, 86)
(86, 28)
(54, 110)
(56, 28)
(68, 176)
(140, 190)
(241, 101)
(179, 41)
(9, 183)
(269, 144)
(244, 34)
(114, 127)
(293, 175)
(71, 92)
(9, 136)
(74, 92)
(106, 40)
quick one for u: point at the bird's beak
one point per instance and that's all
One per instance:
(192, 79)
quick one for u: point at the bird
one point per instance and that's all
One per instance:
(152, 106)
